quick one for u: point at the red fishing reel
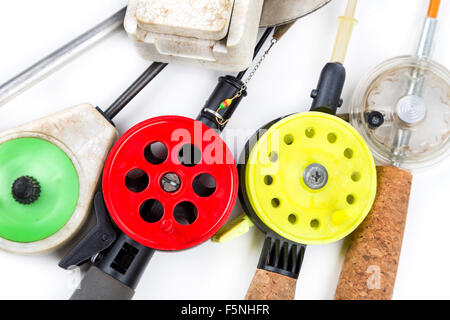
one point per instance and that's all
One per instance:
(170, 183)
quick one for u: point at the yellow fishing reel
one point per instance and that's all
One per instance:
(309, 177)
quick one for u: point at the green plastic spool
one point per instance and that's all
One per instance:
(59, 183)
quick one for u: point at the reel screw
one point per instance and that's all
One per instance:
(170, 182)
(315, 176)
(26, 190)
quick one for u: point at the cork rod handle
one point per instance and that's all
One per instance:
(371, 262)
(268, 285)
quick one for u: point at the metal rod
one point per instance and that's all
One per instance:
(424, 51)
(134, 89)
(58, 58)
(426, 40)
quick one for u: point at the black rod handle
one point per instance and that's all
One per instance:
(116, 272)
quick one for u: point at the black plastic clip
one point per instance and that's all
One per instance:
(100, 238)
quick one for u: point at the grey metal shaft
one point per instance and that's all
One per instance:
(424, 51)
(97, 285)
(58, 58)
(426, 41)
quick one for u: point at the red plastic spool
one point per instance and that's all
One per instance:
(170, 183)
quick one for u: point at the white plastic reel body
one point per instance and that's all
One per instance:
(219, 34)
(86, 137)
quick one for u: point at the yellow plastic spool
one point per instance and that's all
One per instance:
(277, 191)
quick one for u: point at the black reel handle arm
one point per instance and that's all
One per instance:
(119, 261)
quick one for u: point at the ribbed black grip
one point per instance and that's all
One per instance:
(281, 256)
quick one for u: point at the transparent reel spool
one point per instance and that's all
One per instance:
(413, 95)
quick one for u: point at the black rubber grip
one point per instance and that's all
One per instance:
(97, 285)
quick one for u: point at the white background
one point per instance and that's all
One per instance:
(30, 29)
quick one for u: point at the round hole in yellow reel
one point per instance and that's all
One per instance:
(284, 162)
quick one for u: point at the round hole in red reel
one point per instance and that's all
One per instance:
(189, 217)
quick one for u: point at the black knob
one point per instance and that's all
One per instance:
(375, 119)
(26, 190)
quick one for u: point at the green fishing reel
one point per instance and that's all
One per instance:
(49, 170)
